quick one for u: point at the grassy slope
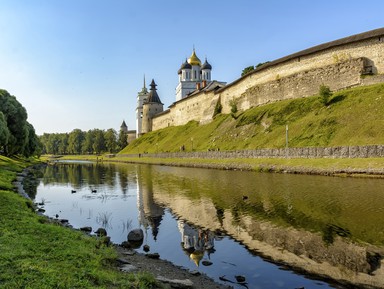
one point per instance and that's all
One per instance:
(38, 254)
(352, 117)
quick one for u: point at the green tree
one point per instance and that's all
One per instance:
(99, 141)
(261, 63)
(63, 143)
(16, 117)
(325, 93)
(247, 70)
(75, 141)
(122, 140)
(110, 137)
(52, 144)
(43, 140)
(233, 105)
(4, 132)
(32, 142)
(89, 138)
(218, 107)
(20, 131)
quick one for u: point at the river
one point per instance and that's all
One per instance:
(276, 230)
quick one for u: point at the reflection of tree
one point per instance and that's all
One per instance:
(83, 175)
(31, 182)
(79, 175)
(123, 180)
(219, 214)
(331, 230)
(151, 214)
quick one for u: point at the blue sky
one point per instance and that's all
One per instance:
(80, 63)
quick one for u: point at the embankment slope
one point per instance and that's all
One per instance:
(351, 117)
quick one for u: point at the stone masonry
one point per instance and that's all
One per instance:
(339, 64)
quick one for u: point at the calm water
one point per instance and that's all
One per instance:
(279, 231)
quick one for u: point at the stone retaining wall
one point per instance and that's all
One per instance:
(339, 64)
(370, 151)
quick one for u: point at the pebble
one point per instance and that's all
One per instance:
(176, 283)
(153, 256)
(240, 278)
(206, 263)
(101, 232)
(128, 268)
(195, 273)
(86, 229)
(130, 252)
(122, 261)
(146, 248)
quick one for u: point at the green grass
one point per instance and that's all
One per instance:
(36, 253)
(301, 165)
(351, 117)
(8, 171)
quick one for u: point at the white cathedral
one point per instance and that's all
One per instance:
(193, 75)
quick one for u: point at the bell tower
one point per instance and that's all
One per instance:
(142, 96)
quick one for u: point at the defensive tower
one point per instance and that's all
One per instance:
(151, 106)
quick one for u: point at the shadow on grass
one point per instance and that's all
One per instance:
(336, 99)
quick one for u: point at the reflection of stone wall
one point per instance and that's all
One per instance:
(342, 260)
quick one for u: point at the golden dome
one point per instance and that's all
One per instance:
(196, 257)
(194, 60)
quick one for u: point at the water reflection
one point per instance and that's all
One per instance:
(311, 223)
(150, 214)
(323, 226)
(196, 242)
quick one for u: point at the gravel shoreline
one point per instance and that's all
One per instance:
(170, 275)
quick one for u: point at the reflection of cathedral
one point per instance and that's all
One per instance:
(196, 242)
(150, 214)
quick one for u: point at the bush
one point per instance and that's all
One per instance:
(325, 93)
(218, 108)
(233, 105)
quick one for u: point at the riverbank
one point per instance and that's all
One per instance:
(38, 252)
(344, 167)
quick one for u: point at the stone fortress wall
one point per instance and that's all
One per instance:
(197, 107)
(339, 64)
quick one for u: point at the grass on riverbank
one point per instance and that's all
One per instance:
(351, 117)
(326, 166)
(36, 253)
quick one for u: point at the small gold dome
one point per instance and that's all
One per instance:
(196, 257)
(194, 60)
